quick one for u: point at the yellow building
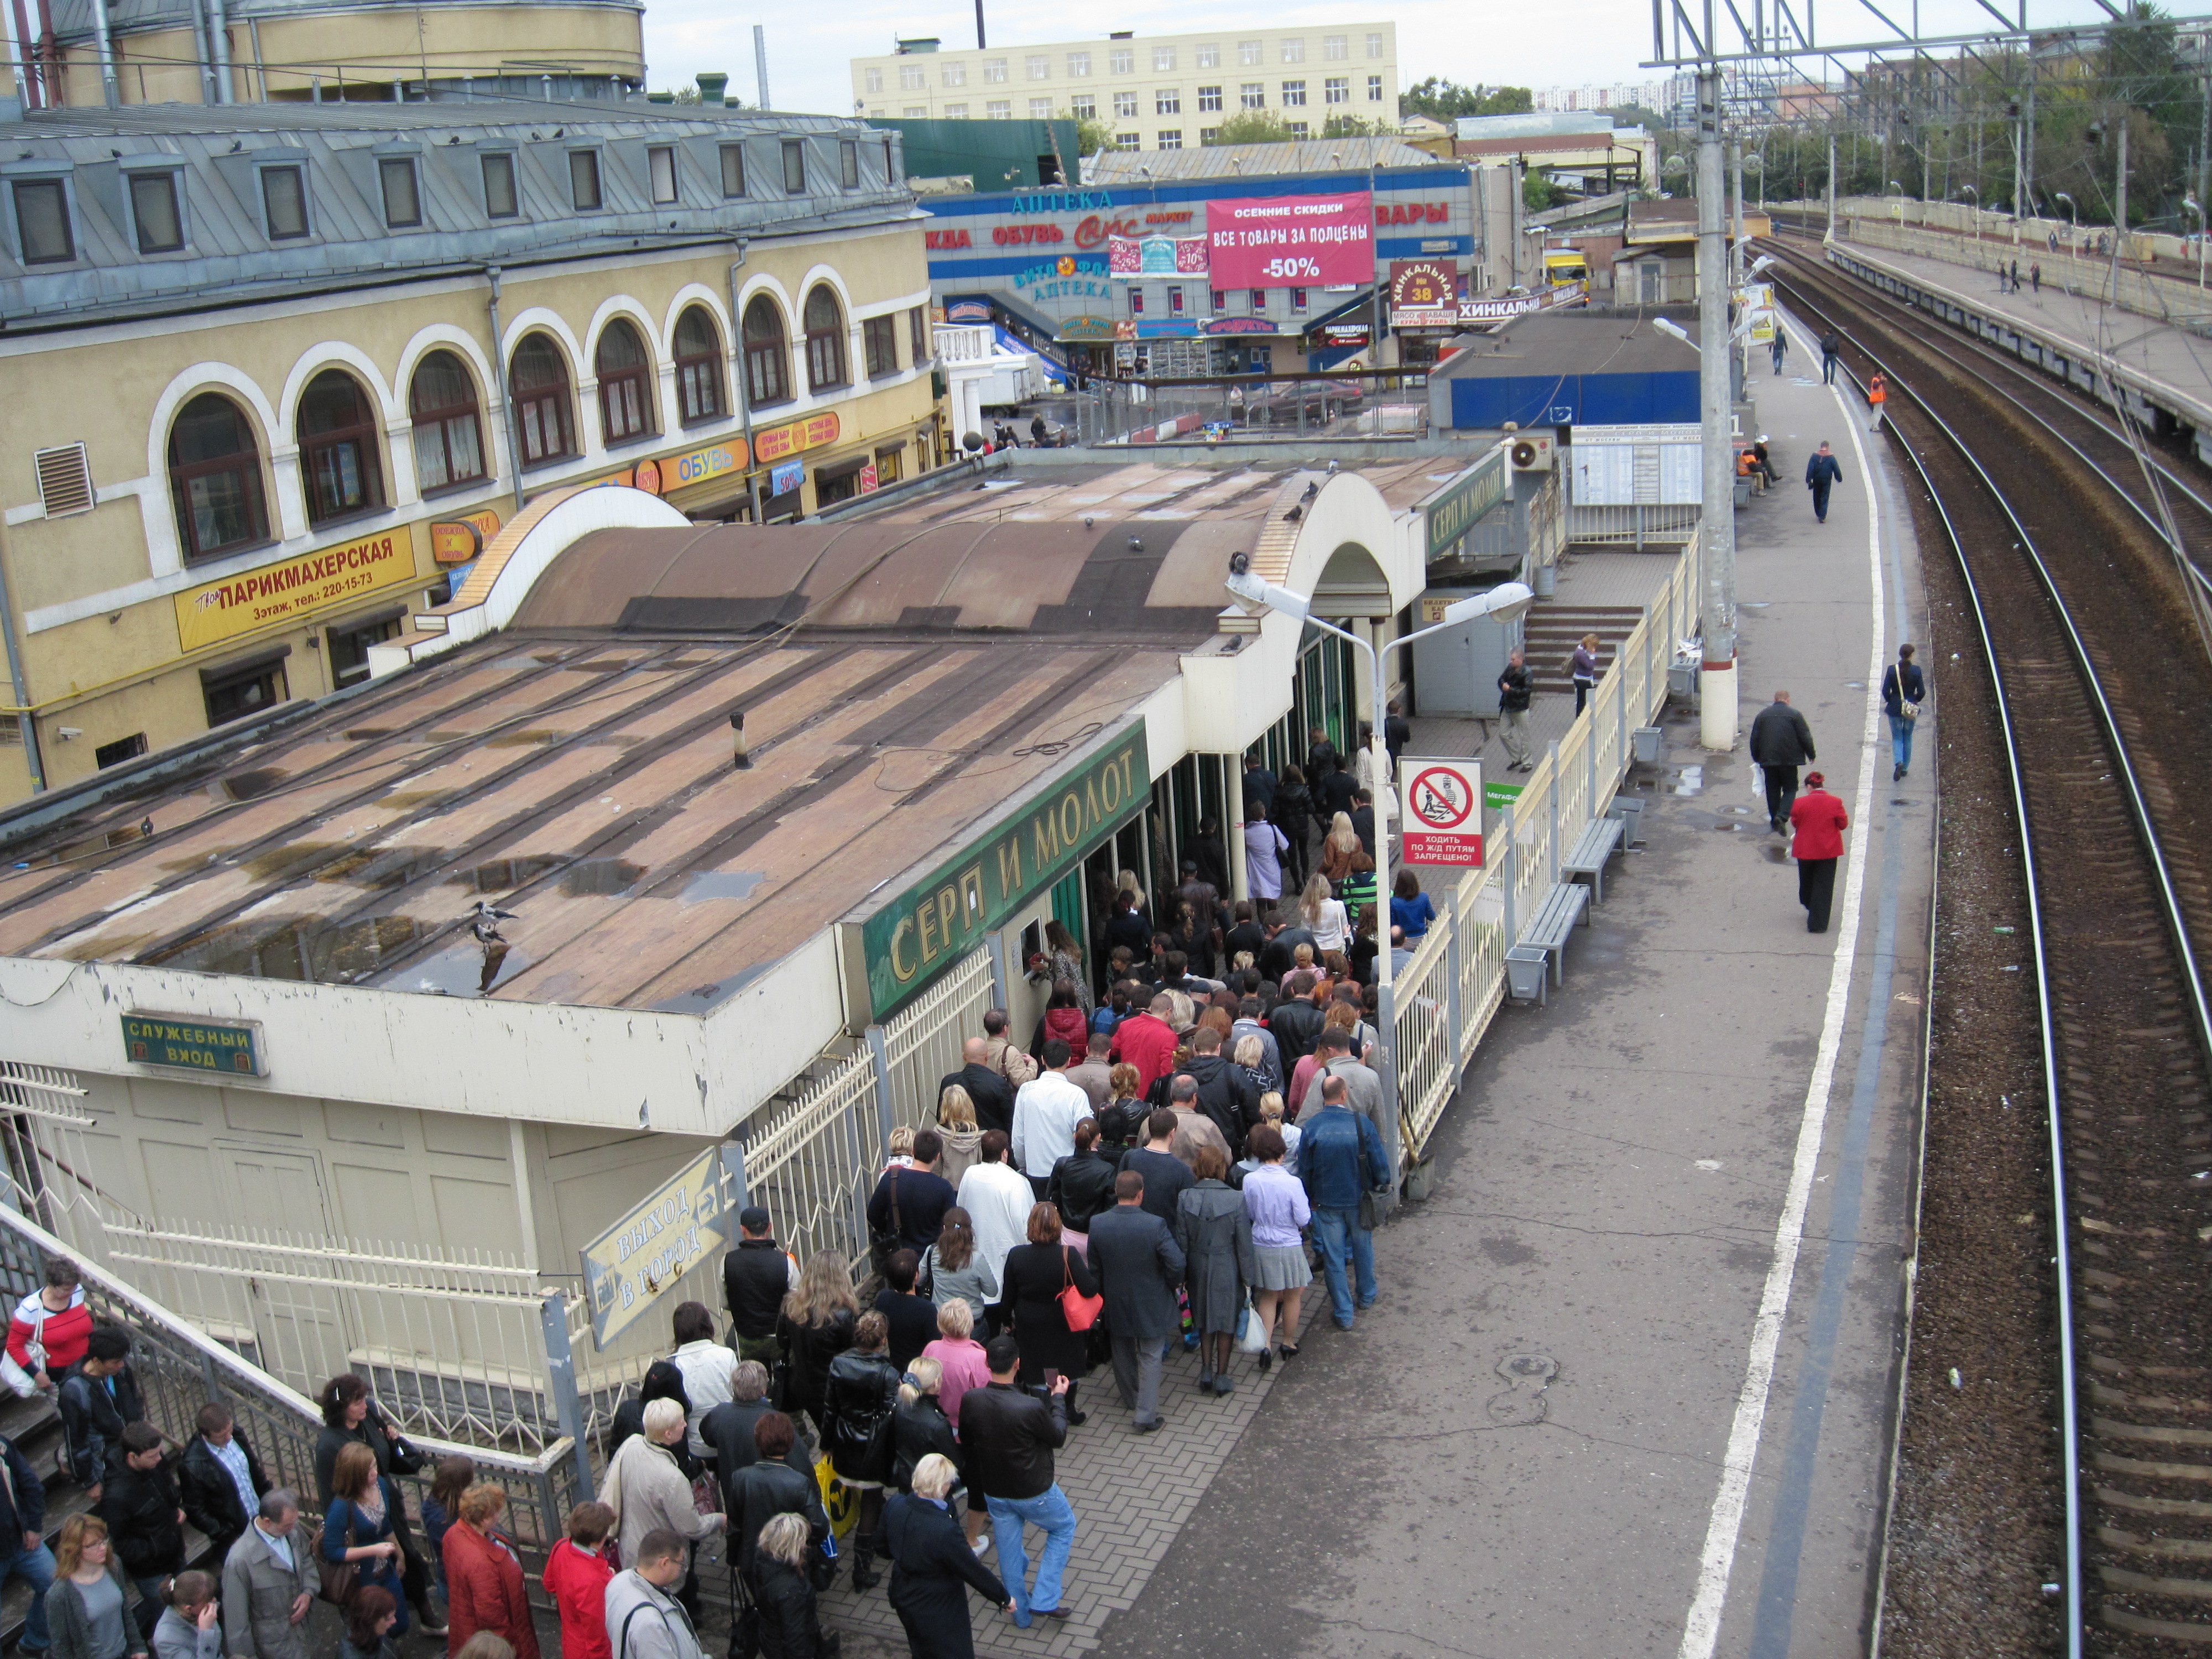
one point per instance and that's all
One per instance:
(318, 340)
(223, 52)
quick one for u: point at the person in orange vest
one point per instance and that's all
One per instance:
(1877, 395)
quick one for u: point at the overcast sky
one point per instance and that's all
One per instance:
(1559, 43)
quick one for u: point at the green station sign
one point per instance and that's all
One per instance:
(213, 1047)
(1452, 513)
(932, 924)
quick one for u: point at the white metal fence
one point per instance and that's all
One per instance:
(1455, 983)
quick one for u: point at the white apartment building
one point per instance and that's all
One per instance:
(1158, 92)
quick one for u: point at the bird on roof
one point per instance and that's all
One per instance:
(1313, 489)
(485, 920)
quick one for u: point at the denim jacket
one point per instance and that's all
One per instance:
(1339, 1157)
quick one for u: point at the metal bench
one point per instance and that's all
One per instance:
(1596, 844)
(1542, 945)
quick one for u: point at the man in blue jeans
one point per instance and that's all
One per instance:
(1340, 1157)
(1009, 1436)
(22, 1542)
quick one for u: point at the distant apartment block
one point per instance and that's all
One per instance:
(1156, 91)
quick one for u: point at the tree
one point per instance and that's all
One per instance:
(1539, 194)
(1252, 126)
(1091, 134)
(1445, 100)
(1351, 126)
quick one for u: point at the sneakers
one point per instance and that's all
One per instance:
(1896, 772)
(983, 1545)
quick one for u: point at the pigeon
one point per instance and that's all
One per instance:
(486, 923)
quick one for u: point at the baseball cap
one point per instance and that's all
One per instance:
(753, 1219)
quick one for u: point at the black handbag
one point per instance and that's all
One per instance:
(882, 1245)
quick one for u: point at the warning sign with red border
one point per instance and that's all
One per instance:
(1443, 810)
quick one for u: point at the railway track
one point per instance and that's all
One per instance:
(2101, 690)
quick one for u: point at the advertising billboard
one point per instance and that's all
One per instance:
(1291, 241)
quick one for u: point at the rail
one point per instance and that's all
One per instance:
(180, 1368)
(1448, 994)
(2171, 300)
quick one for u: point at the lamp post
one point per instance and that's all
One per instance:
(2190, 203)
(1969, 190)
(1506, 602)
(2073, 212)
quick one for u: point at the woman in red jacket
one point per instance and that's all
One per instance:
(577, 1574)
(1817, 821)
(51, 1324)
(483, 1577)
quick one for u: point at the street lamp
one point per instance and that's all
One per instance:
(1969, 190)
(2190, 204)
(2073, 212)
(1507, 602)
(1668, 325)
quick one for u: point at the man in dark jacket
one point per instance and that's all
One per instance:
(755, 1278)
(1246, 935)
(1260, 786)
(23, 1552)
(220, 1481)
(909, 1204)
(1009, 1437)
(1397, 732)
(98, 1396)
(993, 1095)
(729, 1428)
(1363, 820)
(930, 1558)
(1823, 472)
(1225, 1094)
(1297, 1019)
(1139, 1266)
(1515, 690)
(1321, 757)
(1781, 742)
(145, 1521)
(1831, 346)
(1340, 1157)
(1161, 1174)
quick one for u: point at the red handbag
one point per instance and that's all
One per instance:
(1080, 1311)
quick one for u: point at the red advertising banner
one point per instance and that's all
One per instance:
(1291, 241)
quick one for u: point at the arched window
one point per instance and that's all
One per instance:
(338, 463)
(767, 357)
(698, 365)
(625, 383)
(825, 339)
(448, 432)
(542, 410)
(214, 479)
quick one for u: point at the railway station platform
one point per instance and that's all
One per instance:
(2165, 366)
(1629, 1388)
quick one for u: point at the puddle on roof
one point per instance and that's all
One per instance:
(405, 799)
(294, 858)
(721, 884)
(306, 948)
(378, 868)
(86, 846)
(468, 970)
(245, 786)
(600, 876)
(505, 875)
(539, 734)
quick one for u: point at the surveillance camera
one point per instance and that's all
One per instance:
(68, 733)
(1239, 563)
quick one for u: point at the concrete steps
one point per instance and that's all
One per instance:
(1551, 631)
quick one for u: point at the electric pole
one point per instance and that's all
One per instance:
(1716, 720)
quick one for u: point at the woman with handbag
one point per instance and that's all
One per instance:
(932, 1564)
(1904, 689)
(1215, 1233)
(1039, 1276)
(49, 1331)
(647, 1489)
(350, 1415)
(816, 1326)
(858, 1403)
(484, 1571)
(358, 1548)
(787, 1622)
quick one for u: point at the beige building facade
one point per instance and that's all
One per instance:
(218, 512)
(1156, 91)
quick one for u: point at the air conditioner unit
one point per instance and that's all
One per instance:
(1531, 451)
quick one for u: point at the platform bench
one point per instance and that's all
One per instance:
(1597, 843)
(1543, 944)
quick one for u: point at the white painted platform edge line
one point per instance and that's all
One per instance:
(1702, 1628)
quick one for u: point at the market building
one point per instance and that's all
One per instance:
(1193, 299)
(282, 368)
(774, 812)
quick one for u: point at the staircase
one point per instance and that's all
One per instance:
(1551, 631)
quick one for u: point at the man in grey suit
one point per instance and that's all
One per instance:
(1139, 1266)
(1334, 1051)
(268, 1584)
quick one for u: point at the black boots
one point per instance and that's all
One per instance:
(864, 1576)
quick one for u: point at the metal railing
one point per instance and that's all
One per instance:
(2176, 299)
(1447, 994)
(1639, 525)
